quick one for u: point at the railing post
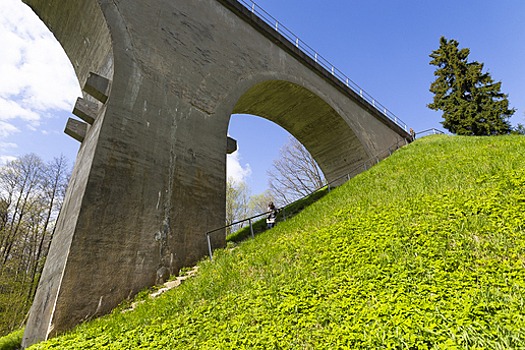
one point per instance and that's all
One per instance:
(251, 228)
(209, 246)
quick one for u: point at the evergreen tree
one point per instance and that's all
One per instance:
(471, 101)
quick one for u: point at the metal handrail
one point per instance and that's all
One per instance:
(238, 222)
(432, 131)
(231, 225)
(324, 63)
(348, 176)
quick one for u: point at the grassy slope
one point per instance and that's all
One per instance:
(425, 250)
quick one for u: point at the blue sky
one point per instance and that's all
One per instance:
(383, 46)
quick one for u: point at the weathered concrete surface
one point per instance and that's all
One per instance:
(150, 175)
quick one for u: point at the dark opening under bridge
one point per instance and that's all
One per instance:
(161, 79)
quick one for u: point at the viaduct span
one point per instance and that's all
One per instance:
(160, 80)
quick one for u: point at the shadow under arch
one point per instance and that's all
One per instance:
(311, 120)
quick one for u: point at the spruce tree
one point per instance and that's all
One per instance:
(471, 101)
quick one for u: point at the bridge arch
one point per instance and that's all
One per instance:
(310, 119)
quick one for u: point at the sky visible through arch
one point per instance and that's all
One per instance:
(382, 45)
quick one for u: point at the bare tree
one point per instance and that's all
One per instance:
(31, 194)
(21, 177)
(237, 197)
(295, 174)
(54, 182)
(259, 203)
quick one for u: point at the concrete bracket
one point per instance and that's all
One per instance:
(85, 110)
(76, 129)
(231, 145)
(98, 87)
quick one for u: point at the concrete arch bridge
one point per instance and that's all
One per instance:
(161, 79)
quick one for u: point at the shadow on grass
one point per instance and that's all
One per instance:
(284, 214)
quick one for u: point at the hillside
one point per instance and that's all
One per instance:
(426, 250)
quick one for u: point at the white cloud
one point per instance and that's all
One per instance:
(36, 75)
(5, 146)
(10, 109)
(7, 129)
(234, 168)
(5, 159)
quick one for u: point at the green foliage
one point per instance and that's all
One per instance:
(518, 130)
(12, 341)
(471, 101)
(426, 250)
(13, 303)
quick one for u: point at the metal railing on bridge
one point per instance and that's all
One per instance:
(324, 63)
(359, 168)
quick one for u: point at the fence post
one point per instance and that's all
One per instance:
(209, 246)
(251, 227)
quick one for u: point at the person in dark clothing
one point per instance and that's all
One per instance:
(412, 134)
(272, 215)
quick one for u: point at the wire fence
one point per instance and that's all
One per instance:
(359, 168)
(324, 63)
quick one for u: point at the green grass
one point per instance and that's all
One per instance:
(426, 250)
(12, 341)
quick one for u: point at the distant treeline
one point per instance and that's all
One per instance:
(31, 194)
